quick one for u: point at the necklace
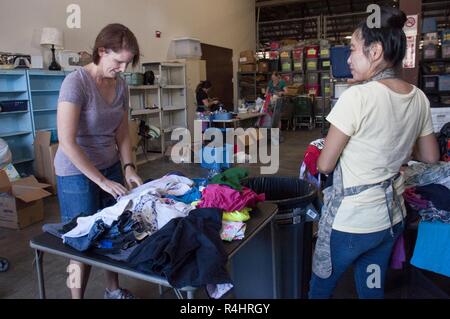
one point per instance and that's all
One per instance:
(383, 75)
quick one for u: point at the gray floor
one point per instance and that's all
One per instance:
(20, 280)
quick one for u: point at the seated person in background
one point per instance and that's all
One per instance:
(276, 86)
(204, 103)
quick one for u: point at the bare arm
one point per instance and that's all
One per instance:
(426, 149)
(334, 145)
(68, 117)
(124, 144)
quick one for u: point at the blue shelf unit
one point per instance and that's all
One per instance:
(44, 91)
(40, 90)
(16, 126)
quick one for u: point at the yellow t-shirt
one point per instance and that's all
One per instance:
(383, 127)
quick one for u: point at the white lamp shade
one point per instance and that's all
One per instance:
(52, 36)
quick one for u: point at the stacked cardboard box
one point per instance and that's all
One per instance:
(247, 61)
(21, 201)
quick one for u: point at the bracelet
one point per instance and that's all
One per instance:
(129, 164)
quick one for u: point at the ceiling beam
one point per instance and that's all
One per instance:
(275, 3)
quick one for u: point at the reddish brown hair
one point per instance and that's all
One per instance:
(116, 37)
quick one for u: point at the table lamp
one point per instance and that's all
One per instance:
(52, 38)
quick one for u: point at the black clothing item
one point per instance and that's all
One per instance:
(439, 195)
(201, 95)
(186, 251)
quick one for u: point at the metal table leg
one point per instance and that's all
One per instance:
(190, 294)
(274, 262)
(39, 256)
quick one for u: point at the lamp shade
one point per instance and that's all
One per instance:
(52, 36)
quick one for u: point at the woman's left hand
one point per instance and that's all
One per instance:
(132, 178)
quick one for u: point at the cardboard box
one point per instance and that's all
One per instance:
(21, 201)
(295, 89)
(263, 67)
(248, 67)
(44, 156)
(247, 57)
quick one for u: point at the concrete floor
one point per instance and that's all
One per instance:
(20, 280)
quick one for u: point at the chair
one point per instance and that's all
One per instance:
(287, 111)
(303, 112)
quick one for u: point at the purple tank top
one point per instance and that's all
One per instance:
(98, 124)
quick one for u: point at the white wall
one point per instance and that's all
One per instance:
(226, 23)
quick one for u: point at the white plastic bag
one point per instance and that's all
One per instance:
(5, 154)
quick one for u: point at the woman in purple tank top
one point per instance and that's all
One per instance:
(93, 139)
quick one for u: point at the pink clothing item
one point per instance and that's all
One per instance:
(228, 199)
(398, 256)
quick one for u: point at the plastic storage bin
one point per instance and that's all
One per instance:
(312, 78)
(430, 82)
(186, 48)
(444, 83)
(298, 66)
(312, 51)
(430, 52)
(312, 64)
(289, 270)
(297, 54)
(286, 65)
(313, 89)
(445, 49)
(325, 64)
(339, 56)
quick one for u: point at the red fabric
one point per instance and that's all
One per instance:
(311, 157)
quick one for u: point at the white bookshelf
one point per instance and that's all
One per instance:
(163, 104)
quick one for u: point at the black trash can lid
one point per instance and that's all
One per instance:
(286, 192)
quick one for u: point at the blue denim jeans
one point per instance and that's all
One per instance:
(368, 253)
(78, 194)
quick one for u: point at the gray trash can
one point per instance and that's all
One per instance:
(256, 272)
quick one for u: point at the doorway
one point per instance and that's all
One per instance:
(219, 70)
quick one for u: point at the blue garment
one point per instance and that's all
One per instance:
(78, 194)
(85, 242)
(432, 251)
(191, 196)
(361, 251)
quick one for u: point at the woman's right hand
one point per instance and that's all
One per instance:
(113, 188)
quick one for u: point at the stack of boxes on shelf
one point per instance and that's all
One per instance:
(274, 56)
(312, 65)
(436, 63)
(286, 60)
(297, 58)
(247, 61)
(444, 80)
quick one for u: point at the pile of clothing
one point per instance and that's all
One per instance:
(427, 190)
(172, 227)
(428, 193)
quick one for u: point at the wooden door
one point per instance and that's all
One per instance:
(219, 70)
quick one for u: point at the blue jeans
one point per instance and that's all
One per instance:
(368, 253)
(78, 194)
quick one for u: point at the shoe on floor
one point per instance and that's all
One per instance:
(118, 294)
